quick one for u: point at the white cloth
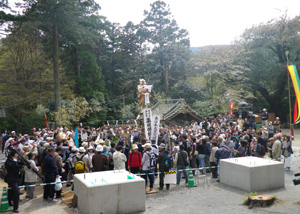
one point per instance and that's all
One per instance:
(147, 99)
(148, 87)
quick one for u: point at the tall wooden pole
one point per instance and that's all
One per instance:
(289, 89)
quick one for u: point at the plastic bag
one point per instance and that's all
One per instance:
(58, 186)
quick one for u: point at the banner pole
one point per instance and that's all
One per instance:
(289, 90)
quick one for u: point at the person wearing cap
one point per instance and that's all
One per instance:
(110, 154)
(146, 168)
(85, 145)
(12, 178)
(71, 141)
(276, 124)
(10, 141)
(80, 156)
(59, 164)
(264, 117)
(213, 160)
(99, 160)
(222, 153)
(246, 125)
(51, 173)
(181, 162)
(119, 158)
(175, 148)
(270, 129)
(161, 160)
(71, 164)
(27, 150)
(135, 160)
(30, 176)
(22, 143)
(87, 159)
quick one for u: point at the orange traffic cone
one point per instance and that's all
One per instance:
(4, 202)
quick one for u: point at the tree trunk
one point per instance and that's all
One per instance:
(77, 64)
(55, 65)
(167, 82)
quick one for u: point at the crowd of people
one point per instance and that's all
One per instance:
(202, 144)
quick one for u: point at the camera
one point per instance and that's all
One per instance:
(296, 181)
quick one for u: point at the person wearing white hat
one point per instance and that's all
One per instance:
(79, 165)
(88, 158)
(10, 141)
(99, 160)
(276, 124)
(71, 163)
(148, 164)
(135, 160)
(163, 158)
(85, 144)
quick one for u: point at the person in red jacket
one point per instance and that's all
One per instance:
(135, 160)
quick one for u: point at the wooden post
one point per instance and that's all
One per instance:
(289, 91)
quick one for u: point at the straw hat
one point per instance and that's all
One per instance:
(74, 149)
(99, 148)
(90, 148)
(147, 145)
(81, 150)
(134, 147)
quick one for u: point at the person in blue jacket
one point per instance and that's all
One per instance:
(51, 173)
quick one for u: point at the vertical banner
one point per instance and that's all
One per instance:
(147, 122)
(75, 138)
(47, 127)
(155, 128)
(231, 108)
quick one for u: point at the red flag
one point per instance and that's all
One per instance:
(295, 110)
(292, 130)
(46, 122)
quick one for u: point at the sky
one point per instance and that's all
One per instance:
(209, 22)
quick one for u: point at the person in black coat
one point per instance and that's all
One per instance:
(13, 178)
(162, 157)
(51, 173)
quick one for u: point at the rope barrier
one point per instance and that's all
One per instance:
(42, 184)
(181, 170)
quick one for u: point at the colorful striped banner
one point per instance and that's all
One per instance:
(296, 83)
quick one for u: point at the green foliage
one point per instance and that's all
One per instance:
(41, 110)
(74, 110)
(247, 195)
(100, 62)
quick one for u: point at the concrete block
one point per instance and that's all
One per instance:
(109, 192)
(252, 174)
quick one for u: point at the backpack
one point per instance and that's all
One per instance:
(186, 163)
(131, 153)
(152, 160)
(80, 167)
(69, 164)
(168, 161)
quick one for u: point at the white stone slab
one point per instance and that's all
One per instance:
(109, 192)
(252, 173)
